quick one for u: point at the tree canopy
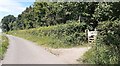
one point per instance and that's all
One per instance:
(53, 13)
(7, 23)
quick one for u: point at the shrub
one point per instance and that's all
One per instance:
(60, 35)
(107, 47)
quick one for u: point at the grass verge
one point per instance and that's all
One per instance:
(4, 42)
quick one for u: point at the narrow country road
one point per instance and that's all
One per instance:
(21, 51)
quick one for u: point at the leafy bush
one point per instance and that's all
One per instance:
(107, 47)
(64, 35)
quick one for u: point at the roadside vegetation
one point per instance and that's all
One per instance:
(106, 50)
(3, 45)
(63, 35)
(63, 24)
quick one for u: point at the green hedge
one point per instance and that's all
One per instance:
(64, 35)
(107, 47)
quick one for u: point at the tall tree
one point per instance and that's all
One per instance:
(7, 23)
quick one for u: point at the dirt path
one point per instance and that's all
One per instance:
(69, 55)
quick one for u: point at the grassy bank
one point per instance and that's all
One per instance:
(3, 45)
(107, 47)
(64, 35)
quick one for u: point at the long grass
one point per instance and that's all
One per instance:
(4, 42)
(64, 35)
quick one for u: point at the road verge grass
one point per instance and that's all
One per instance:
(4, 42)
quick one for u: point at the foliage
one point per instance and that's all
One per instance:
(107, 47)
(3, 46)
(56, 36)
(7, 22)
(56, 24)
(52, 13)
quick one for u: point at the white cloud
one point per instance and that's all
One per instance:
(13, 7)
(25, 0)
(10, 6)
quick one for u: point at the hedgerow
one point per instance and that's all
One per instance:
(107, 47)
(64, 35)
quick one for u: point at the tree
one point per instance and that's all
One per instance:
(7, 23)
